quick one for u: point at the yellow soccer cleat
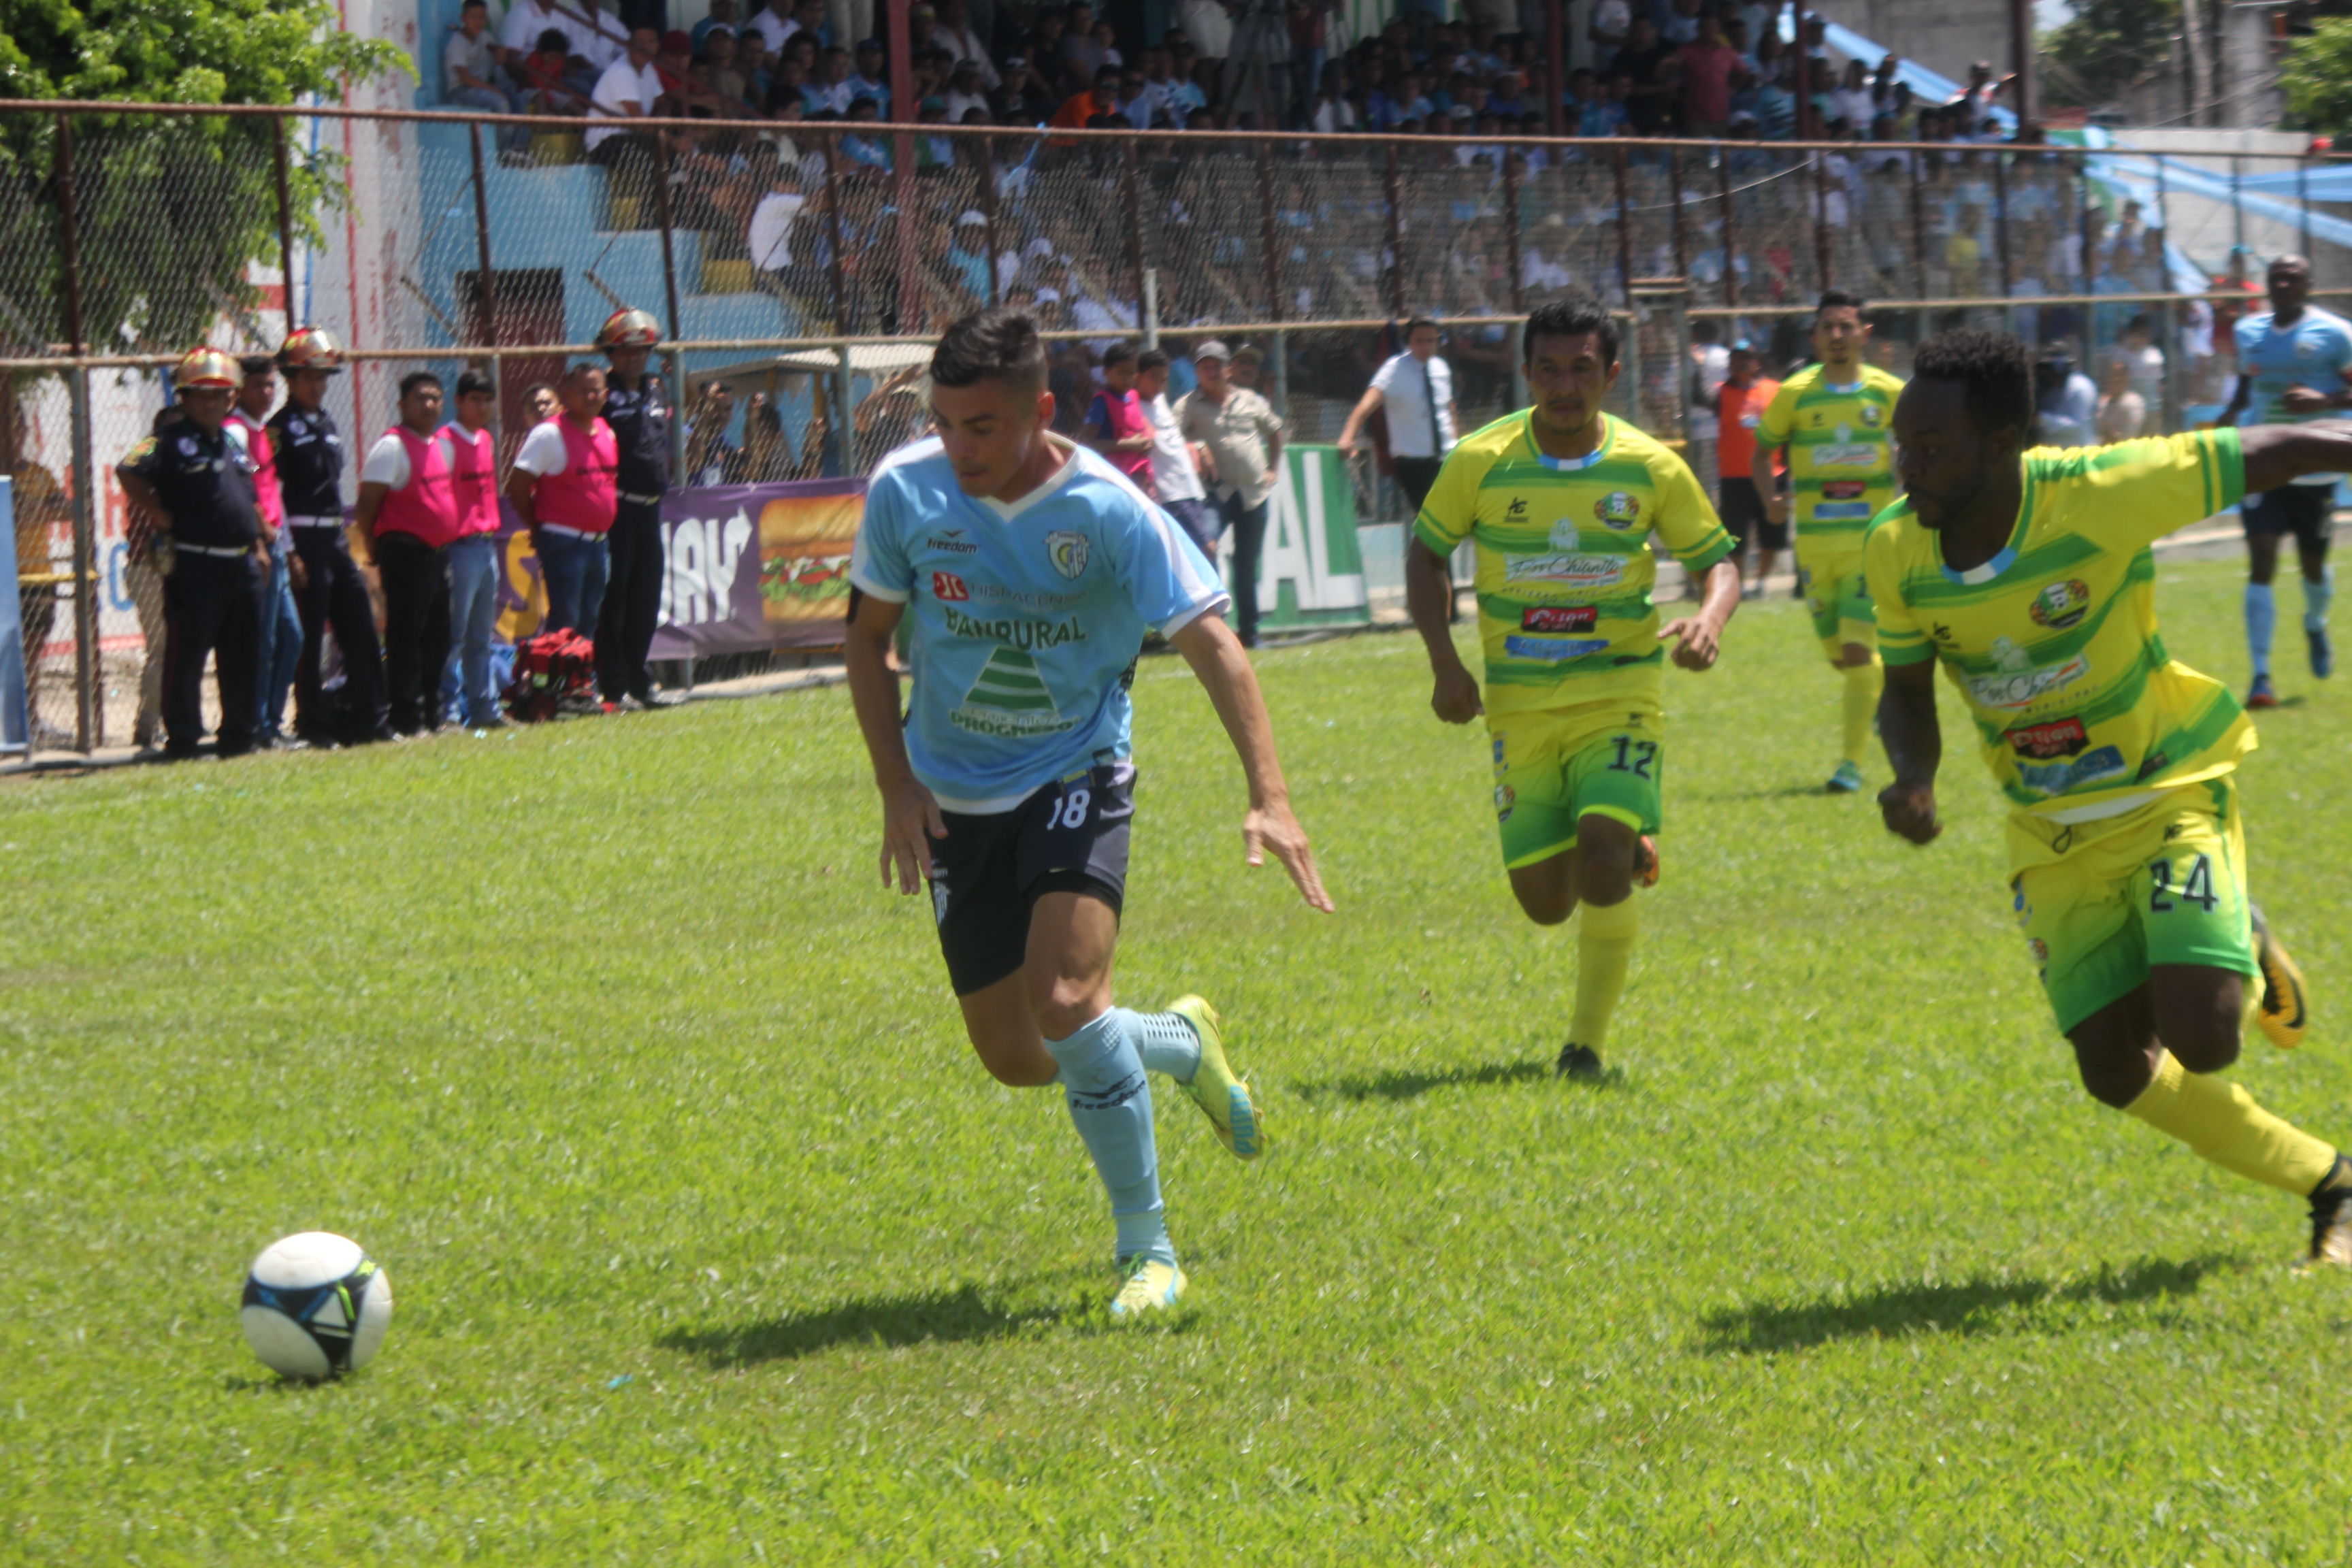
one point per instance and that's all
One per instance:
(1151, 1287)
(1222, 1096)
(2286, 1007)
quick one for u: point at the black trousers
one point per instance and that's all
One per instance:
(1414, 477)
(631, 607)
(1248, 523)
(336, 597)
(211, 604)
(415, 629)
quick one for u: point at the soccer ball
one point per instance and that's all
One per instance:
(316, 1305)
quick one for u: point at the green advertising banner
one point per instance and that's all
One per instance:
(1311, 572)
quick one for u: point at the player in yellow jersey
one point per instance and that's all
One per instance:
(2028, 575)
(1833, 418)
(1562, 501)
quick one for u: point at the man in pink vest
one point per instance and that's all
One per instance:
(473, 554)
(565, 487)
(408, 515)
(1116, 424)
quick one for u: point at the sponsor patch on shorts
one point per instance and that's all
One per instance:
(1553, 650)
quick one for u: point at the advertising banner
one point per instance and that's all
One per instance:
(1311, 572)
(750, 567)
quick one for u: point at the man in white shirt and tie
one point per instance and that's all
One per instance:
(1416, 388)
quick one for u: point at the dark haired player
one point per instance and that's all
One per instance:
(1562, 501)
(1833, 416)
(1033, 569)
(2028, 575)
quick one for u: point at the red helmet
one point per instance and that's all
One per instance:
(310, 348)
(628, 329)
(206, 367)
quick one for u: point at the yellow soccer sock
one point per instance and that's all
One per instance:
(2221, 1122)
(1604, 947)
(1863, 684)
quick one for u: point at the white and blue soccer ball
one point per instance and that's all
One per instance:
(316, 1306)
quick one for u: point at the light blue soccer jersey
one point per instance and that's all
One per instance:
(2314, 352)
(1026, 616)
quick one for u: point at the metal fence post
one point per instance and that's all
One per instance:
(486, 293)
(1133, 200)
(669, 283)
(1918, 247)
(840, 428)
(1393, 190)
(1516, 275)
(89, 718)
(1822, 217)
(1675, 194)
(2303, 198)
(1730, 246)
(1624, 231)
(2000, 216)
(2237, 204)
(1269, 221)
(2171, 315)
(988, 212)
(285, 209)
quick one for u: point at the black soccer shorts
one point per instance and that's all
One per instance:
(988, 873)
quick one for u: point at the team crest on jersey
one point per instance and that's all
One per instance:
(1871, 416)
(1066, 549)
(2304, 348)
(2062, 605)
(187, 446)
(1617, 509)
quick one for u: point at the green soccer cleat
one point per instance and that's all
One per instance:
(1847, 780)
(1151, 1287)
(2286, 1008)
(1222, 1096)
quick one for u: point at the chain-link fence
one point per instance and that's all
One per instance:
(784, 259)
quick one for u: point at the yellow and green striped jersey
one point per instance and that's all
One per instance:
(2053, 643)
(1565, 566)
(1841, 455)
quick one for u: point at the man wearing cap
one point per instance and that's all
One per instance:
(281, 623)
(330, 592)
(636, 407)
(196, 482)
(870, 80)
(564, 487)
(1244, 438)
(408, 515)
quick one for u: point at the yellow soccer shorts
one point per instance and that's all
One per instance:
(2164, 884)
(1837, 594)
(1553, 769)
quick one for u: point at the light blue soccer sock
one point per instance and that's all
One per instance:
(1111, 1101)
(2316, 597)
(2261, 619)
(1166, 1041)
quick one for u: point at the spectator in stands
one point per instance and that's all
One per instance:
(710, 457)
(1331, 111)
(1704, 68)
(473, 554)
(1176, 463)
(1209, 29)
(546, 88)
(966, 261)
(563, 489)
(470, 59)
(773, 22)
(724, 73)
(1851, 100)
(1082, 53)
(957, 35)
(2123, 412)
(407, 517)
(870, 76)
(779, 254)
(1244, 438)
(1610, 29)
(528, 22)
(830, 88)
(1641, 66)
(1080, 109)
(2139, 354)
(787, 90)
(865, 151)
(628, 90)
(727, 14)
(966, 95)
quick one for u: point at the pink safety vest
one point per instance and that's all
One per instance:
(264, 468)
(586, 494)
(473, 474)
(427, 506)
(1128, 421)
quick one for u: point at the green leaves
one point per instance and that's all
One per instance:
(2318, 77)
(2106, 48)
(183, 51)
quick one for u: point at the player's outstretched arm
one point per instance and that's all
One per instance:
(1698, 639)
(910, 817)
(1427, 595)
(1222, 667)
(2280, 454)
(1915, 745)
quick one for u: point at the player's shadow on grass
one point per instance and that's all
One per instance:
(1970, 1307)
(945, 1316)
(1394, 1085)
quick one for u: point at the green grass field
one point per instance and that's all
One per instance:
(712, 1244)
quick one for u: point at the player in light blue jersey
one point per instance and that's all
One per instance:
(2293, 366)
(1032, 570)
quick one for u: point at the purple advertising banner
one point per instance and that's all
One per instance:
(749, 567)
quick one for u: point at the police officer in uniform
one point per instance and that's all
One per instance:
(195, 480)
(637, 407)
(332, 593)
